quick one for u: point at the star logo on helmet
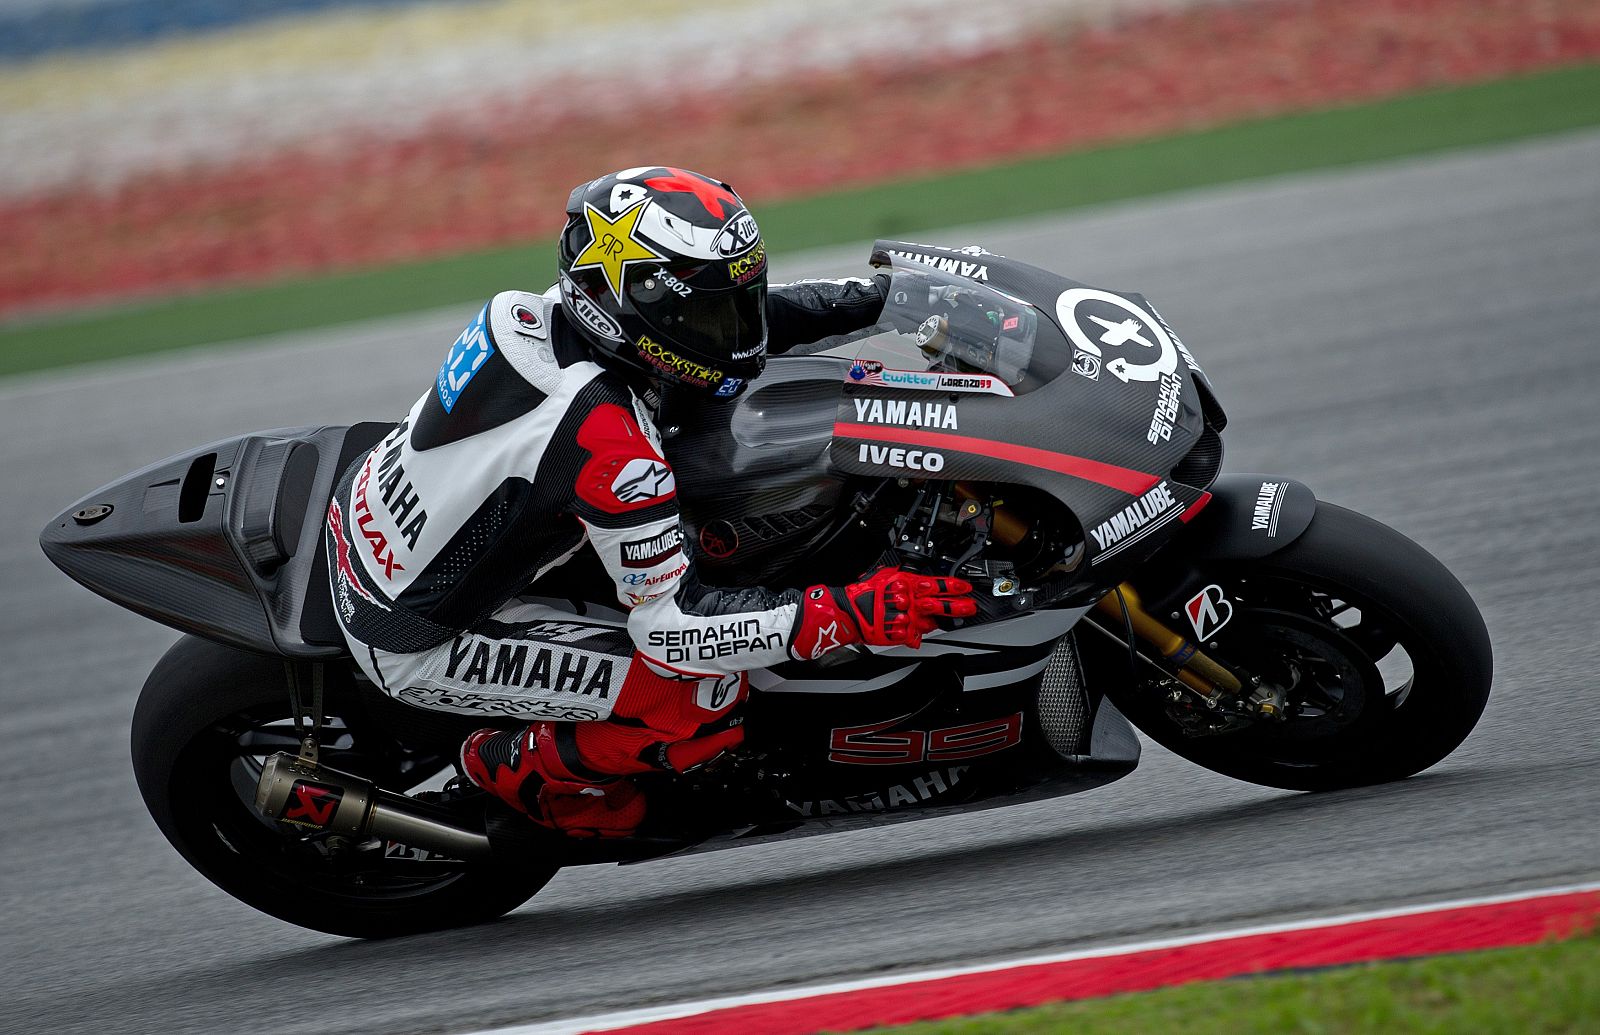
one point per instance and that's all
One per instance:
(612, 245)
(626, 195)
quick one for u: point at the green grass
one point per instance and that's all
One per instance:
(1547, 988)
(1476, 115)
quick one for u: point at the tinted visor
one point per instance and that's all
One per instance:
(718, 323)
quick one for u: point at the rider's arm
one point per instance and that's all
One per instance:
(810, 310)
(625, 495)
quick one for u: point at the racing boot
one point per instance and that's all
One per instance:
(524, 769)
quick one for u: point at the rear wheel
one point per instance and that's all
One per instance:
(207, 719)
(1373, 651)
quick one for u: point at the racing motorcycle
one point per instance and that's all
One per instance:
(1055, 444)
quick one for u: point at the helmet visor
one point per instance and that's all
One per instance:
(727, 325)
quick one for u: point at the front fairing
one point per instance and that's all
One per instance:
(1100, 406)
(1072, 402)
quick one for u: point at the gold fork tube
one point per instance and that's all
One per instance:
(1198, 672)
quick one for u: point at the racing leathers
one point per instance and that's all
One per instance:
(521, 452)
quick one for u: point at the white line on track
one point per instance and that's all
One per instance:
(673, 1011)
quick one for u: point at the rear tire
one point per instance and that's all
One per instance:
(207, 717)
(1344, 607)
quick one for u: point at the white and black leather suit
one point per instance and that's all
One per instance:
(523, 452)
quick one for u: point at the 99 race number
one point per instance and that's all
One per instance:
(870, 745)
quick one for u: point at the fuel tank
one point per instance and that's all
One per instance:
(754, 482)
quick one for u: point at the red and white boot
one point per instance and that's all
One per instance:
(524, 769)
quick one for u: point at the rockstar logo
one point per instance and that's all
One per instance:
(613, 246)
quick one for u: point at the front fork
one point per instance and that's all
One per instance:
(1188, 663)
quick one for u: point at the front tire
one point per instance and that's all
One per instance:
(1386, 657)
(207, 718)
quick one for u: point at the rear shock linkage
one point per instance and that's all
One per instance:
(307, 728)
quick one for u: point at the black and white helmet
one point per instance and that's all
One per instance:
(664, 270)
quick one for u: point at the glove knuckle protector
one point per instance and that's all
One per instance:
(888, 608)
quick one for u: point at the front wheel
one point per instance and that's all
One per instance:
(1376, 657)
(208, 718)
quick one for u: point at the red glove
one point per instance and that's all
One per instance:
(888, 608)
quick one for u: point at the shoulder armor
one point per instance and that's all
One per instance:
(520, 324)
(521, 312)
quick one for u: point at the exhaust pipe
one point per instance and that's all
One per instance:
(317, 799)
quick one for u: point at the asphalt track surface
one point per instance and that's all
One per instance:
(1417, 341)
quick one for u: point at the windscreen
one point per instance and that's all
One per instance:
(941, 331)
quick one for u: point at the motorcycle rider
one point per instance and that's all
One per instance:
(538, 435)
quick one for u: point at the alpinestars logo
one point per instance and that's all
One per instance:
(827, 639)
(717, 693)
(1208, 610)
(643, 479)
(347, 586)
(524, 708)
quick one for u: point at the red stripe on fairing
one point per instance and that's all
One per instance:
(1195, 507)
(1486, 926)
(1125, 479)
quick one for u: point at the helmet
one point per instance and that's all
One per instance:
(664, 271)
